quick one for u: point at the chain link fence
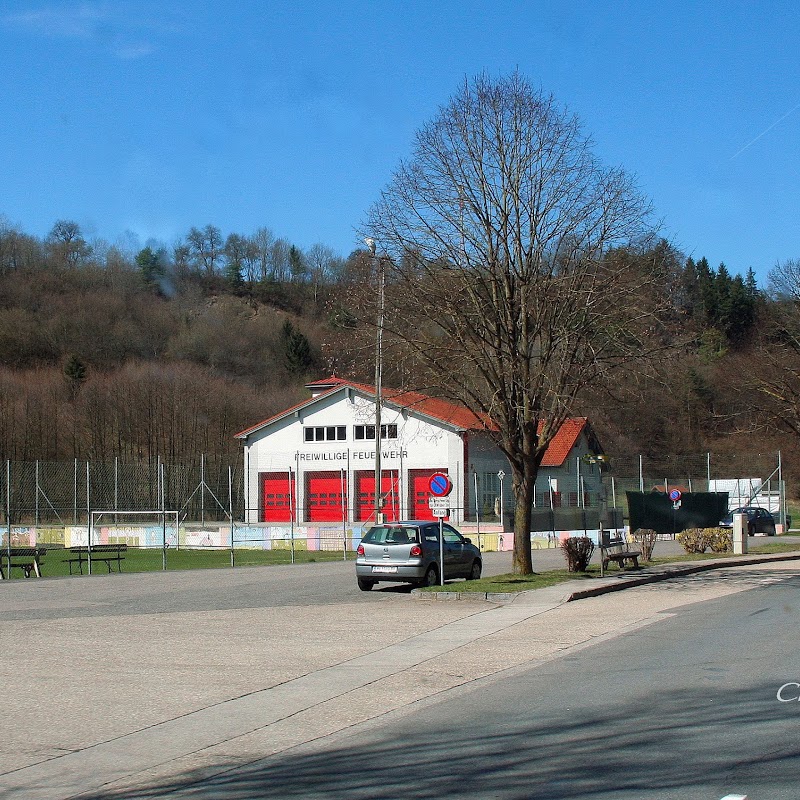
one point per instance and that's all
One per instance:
(223, 507)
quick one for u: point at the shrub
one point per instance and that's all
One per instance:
(645, 538)
(694, 540)
(578, 551)
(720, 540)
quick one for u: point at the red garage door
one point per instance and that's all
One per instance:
(365, 495)
(326, 496)
(277, 497)
(420, 492)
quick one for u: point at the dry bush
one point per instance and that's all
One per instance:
(645, 539)
(578, 552)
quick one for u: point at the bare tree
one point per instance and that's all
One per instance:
(67, 244)
(784, 280)
(207, 248)
(497, 233)
(263, 240)
(324, 266)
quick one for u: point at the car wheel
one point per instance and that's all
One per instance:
(475, 572)
(431, 577)
(365, 585)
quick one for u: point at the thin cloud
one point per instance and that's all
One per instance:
(80, 21)
(110, 27)
(765, 131)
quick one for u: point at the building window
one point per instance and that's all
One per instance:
(489, 488)
(326, 433)
(362, 432)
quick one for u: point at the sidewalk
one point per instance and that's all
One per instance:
(616, 580)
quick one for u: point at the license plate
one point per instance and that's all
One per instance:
(384, 569)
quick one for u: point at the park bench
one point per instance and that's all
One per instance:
(28, 559)
(615, 548)
(107, 553)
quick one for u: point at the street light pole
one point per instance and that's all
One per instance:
(378, 379)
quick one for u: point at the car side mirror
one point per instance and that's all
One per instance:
(467, 540)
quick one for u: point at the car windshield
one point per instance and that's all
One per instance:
(391, 534)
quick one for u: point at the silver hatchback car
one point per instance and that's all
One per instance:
(408, 552)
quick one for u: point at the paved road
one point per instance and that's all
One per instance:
(683, 708)
(127, 683)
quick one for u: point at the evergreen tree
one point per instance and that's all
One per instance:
(296, 349)
(151, 265)
(75, 373)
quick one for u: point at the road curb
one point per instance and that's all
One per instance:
(616, 583)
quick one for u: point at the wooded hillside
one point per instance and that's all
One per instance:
(168, 351)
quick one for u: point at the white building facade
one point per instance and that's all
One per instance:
(315, 462)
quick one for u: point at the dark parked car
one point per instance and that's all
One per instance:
(408, 552)
(759, 520)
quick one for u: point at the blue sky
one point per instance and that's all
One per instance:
(151, 117)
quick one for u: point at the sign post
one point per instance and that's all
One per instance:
(440, 487)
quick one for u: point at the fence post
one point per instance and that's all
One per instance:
(230, 510)
(164, 525)
(8, 513)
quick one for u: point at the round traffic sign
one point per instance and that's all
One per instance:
(440, 485)
(675, 494)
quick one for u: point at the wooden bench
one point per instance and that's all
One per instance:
(107, 553)
(615, 548)
(28, 559)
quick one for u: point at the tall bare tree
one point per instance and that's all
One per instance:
(496, 236)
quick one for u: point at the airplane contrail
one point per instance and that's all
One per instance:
(765, 132)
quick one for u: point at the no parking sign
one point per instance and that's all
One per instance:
(440, 485)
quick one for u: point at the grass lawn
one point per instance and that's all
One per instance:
(150, 560)
(517, 583)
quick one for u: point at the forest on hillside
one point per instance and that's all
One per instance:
(114, 351)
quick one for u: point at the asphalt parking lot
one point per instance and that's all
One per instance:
(117, 681)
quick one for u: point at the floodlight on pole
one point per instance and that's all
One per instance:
(370, 243)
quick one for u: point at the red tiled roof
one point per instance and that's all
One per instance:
(436, 408)
(563, 442)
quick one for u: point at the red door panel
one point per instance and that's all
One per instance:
(325, 501)
(277, 497)
(365, 495)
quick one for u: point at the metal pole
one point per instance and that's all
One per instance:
(202, 489)
(344, 516)
(116, 486)
(477, 508)
(379, 390)
(8, 513)
(708, 468)
(75, 495)
(781, 494)
(502, 475)
(230, 510)
(88, 524)
(292, 516)
(36, 500)
(164, 525)
(641, 475)
(441, 553)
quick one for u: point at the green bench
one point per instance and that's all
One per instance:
(28, 559)
(106, 553)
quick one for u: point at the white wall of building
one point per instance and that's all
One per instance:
(420, 444)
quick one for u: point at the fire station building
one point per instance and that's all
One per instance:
(315, 462)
